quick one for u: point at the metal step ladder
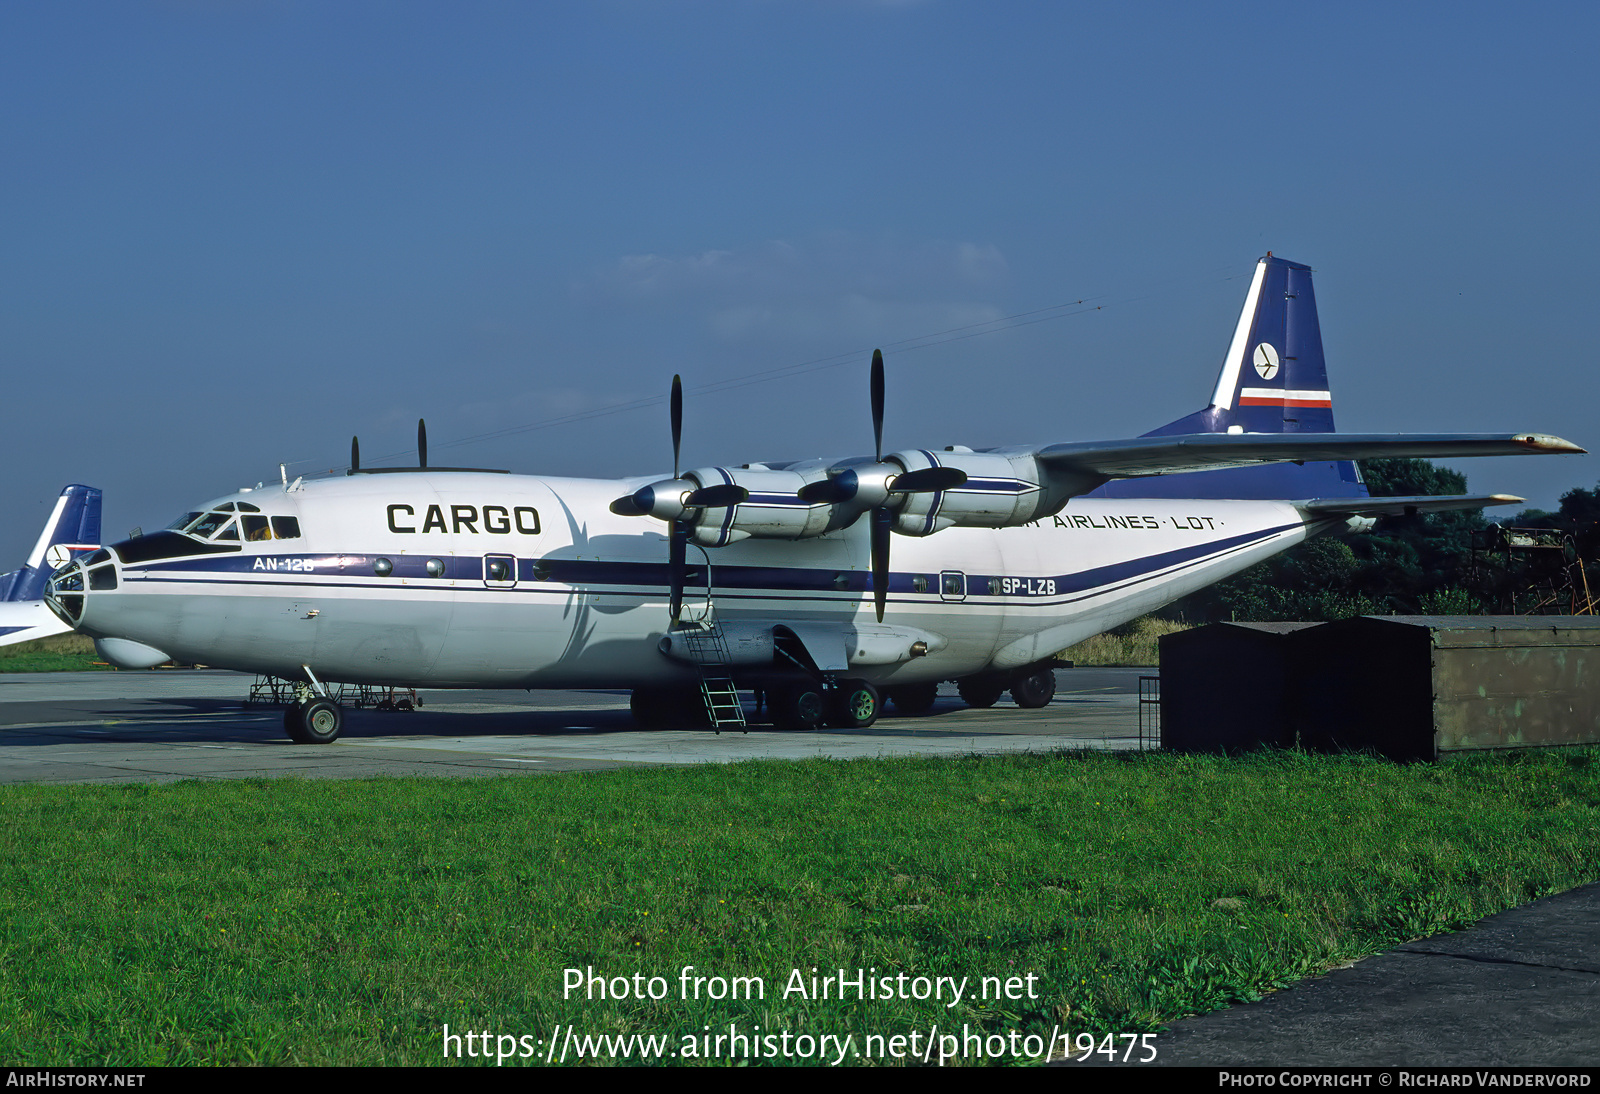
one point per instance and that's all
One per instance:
(706, 644)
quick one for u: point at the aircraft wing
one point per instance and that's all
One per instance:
(1141, 456)
(1393, 507)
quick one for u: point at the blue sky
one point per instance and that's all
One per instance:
(236, 233)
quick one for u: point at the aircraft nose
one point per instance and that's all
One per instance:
(68, 587)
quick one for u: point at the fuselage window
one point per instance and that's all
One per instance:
(286, 527)
(256, 528)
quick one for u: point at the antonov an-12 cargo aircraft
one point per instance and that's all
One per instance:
(776, 577)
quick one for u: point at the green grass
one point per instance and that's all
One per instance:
(59, 653)
(348, 921)
(1133, 643)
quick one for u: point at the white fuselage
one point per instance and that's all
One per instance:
(581, 597)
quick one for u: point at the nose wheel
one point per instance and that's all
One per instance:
(314, 722)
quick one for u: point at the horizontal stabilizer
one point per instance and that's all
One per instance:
(1213, 451)
(1393, 507)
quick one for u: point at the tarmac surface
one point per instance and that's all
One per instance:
(163, 726)
(1520, 989)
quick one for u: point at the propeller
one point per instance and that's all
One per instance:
(422, 443)
(355, 455)
(678, 501)
(678, 535)
(878, 488)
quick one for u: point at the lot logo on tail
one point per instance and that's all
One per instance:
(1266, 360)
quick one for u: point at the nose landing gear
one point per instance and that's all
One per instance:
(316, 722)
(314, 718)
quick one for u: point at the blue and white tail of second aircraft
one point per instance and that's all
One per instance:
(73, 528)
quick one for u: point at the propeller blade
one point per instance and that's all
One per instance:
(422, 443)
(877, 404)
(927, 480)
(716, 497)
(355, 454)
(833, 489)
(677, 425)
(627, 506)
(677, 546)
(882, 522)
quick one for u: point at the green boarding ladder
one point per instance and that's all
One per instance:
(708, 647)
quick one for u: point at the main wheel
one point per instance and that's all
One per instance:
(914, 699)
(798, 707)
(977, 691)
(1036, 690)
(855, 705)
(318, 722)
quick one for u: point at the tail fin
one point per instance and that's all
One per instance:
(1273, 380)
(74, 525)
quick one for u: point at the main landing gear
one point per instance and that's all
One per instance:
(799, 705)
(807, 704)
(853, 704)
(1029, 692)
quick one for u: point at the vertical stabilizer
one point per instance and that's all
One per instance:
(74, 525)
(1273, 380)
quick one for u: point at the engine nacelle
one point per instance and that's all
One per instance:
(774, 509)
(1002, 490)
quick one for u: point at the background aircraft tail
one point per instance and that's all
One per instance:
(1273, 380)
(74, 525)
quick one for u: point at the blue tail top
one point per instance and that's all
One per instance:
(1273, 380)
(74, 525)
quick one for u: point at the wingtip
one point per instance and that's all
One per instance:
(1544, 442)
(1505, 499)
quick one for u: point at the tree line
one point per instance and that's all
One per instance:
(1408, 565)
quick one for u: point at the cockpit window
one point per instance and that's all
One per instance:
(206, 525)
(221, 523)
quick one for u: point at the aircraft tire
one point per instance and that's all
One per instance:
(979, 692)
(914, 699)
(292, 724)
(318, 722)
(798, 707)
(855, 705)
(1035, 691)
